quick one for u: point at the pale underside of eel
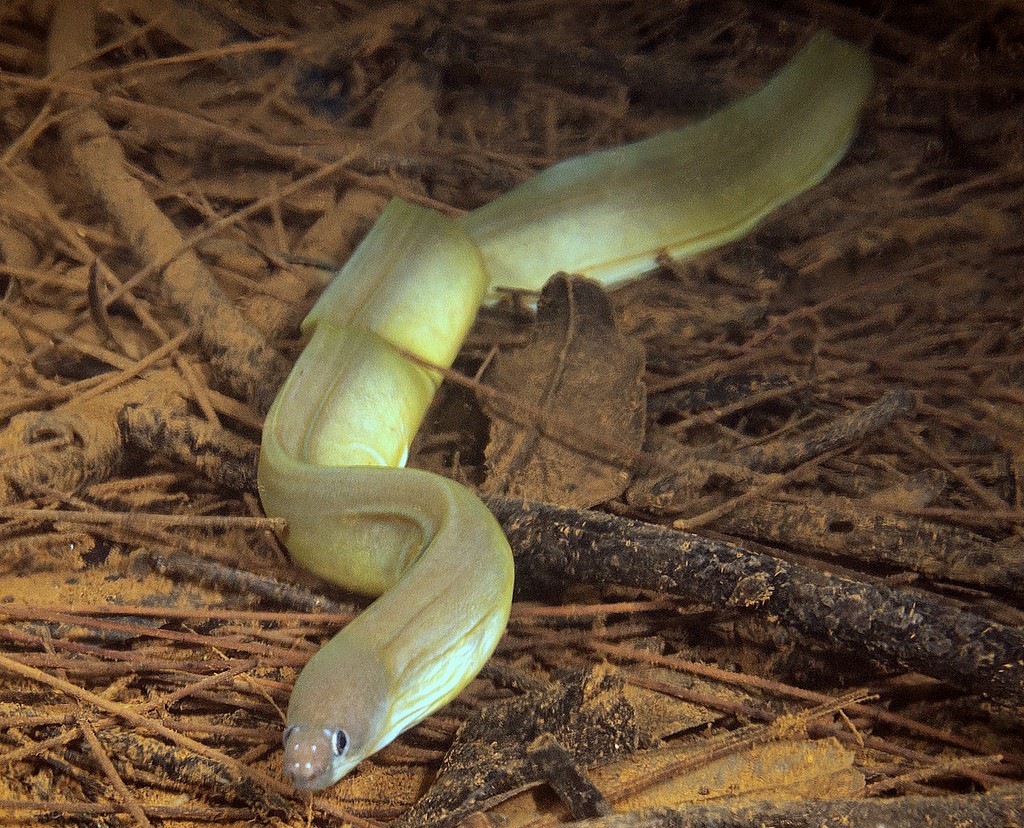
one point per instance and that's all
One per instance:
(339, 431)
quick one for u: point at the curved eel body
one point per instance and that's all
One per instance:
(340, 428)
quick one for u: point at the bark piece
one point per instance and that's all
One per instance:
(80, 442)
(899, 629)
(586, 713)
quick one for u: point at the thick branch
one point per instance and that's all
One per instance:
(899, 629)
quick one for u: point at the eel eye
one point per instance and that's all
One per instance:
(339, 742)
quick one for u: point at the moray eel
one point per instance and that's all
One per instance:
(338, 434)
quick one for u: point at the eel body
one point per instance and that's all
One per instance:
(339, 431)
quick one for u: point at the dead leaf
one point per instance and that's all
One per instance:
(778, 772)
(572, 409)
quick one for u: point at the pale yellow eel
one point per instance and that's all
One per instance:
(341, 425)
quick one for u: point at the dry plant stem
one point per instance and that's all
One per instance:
(171, 123)
(845, 733)
(678, 399)
(269, 786)
(302, 619)
(327, 241)
(715, 701)
(216, 453)
(41, 811)
(555, 546)
(783, 454)
(40, 748)
(245, 583)
(128, 369)
(55, 760)
(739, 679)
(213, 228)
(105, 669)
(94, 433)
(942, 768)
(97, 352)
(96, 664)
(524, 610)
(72, 236)
(142, 519)
(100, 754)
(747, 357)
(188, 772)
(109, 383)
(271, 44)
(128, 714)
(138, 307)
(843, 527)
(934, 455)
(266, 652)
(156, 539)
(84, 511)
(238, 352)
(195, 128)
(759, 489)
(758, 469)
